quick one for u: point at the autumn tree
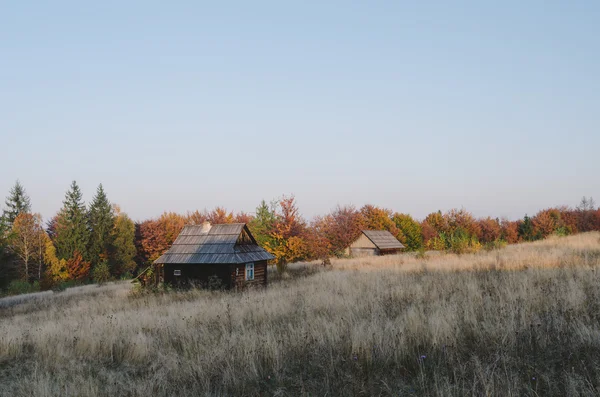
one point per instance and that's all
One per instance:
(569, 219)
(51, 227)
(318, 245)
(586, 214)
(340, 228)
(438, 222)
(123, 249)
(72, 232)
(196, 217)
(155, 236)
(77, 268)
(456, 230)
(489, 230)
(243, 217)
(287, 242)
(220, 215)
(411, 231)
(428, 233)
(4, 263)
(101, 220)
(461, 219)
(509, 231)
(16, 203)
(433, 228)
(27, 243)
(56, 269)
(376, 218)
(547, 222)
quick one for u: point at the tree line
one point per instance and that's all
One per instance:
(98, 242)
(79, 244)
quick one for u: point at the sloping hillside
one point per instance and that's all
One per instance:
(520, 321)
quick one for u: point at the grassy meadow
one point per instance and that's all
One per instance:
(520, 321)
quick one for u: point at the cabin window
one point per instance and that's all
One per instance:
(249, 271)
(177, 272)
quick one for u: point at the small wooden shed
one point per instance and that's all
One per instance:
(375, 242)
(221, 255)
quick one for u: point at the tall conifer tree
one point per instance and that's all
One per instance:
(101, 220)
(72, 234)
(17, 202)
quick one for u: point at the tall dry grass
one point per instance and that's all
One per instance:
(521, 321)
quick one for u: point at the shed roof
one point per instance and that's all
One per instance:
(206, 243)
(383, 239)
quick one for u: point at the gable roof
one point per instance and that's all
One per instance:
(383, 239)
(206, 243)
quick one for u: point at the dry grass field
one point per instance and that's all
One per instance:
(521, 321)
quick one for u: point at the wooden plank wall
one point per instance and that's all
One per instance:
(363, 242)
(260, 275)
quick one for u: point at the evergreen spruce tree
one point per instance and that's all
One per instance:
(72, 234)
(101, 219)
(17, 202)
(263, 223)
(526, 229)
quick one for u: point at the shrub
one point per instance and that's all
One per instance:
(101, 272)
(18, 287)
(63, 285)
(496, 244)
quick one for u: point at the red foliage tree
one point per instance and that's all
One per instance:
(546, 222)
(243, 217)
(462, 219)
(341, 227)
(437, 222)
(595, 222)
(509, 231)
(220, 215)
(155, 236)
(287, 242)
(489, 230)
(77, 268)
(196, 217)
(569, 219)
(428, 232)
(316, 238)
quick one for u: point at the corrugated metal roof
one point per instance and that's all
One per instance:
(214, 244)
(383, 239)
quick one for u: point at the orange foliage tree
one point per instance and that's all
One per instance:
(429, 234)
(155, 236)
(376, 218)
(316, 238)
(339, 228)
(489, 230)
(509, 231)
(438, 222)
(461, 219)
(220, 215)
(77, 268)
(547, 222)
(288, 235)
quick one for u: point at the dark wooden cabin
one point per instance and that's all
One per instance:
(375, 242)
(223, 255)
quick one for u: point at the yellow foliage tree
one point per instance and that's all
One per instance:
(56, 270)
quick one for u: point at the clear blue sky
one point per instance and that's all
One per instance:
(415, 106)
